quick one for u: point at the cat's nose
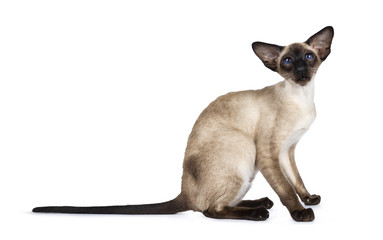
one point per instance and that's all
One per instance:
(300, 69)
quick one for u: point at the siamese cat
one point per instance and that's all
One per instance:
(241, 133)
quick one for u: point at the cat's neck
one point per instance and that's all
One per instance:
(301, 95)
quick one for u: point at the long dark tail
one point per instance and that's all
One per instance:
(171, 207)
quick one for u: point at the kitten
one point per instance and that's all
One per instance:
(241, 133)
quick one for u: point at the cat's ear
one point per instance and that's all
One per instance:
(321, 42)
(268, 53)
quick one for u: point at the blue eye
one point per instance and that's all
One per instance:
(309, 56)
(287, 61)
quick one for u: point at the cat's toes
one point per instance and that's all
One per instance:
(260, 214)
(267, 203)
(304, 215)
(312, 200)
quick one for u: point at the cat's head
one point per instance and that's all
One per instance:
(297, 62)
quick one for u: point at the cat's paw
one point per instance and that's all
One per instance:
(260, 214)
(312, 200)
(263, 202)
(267, 203)
(304, 215)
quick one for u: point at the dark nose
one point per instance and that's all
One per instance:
(300, 69)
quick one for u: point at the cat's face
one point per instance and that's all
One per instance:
(297, 62)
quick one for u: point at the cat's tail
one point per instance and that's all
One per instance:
(170, 207)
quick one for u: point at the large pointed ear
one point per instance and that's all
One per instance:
(321, 42)
(268, 53)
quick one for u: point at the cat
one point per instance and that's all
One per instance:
(241, 133)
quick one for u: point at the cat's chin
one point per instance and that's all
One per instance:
(302, 80)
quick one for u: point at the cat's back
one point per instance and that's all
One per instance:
(232, 111)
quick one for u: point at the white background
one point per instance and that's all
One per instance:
(97, 99)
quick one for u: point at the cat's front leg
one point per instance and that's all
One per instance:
(297, 182)
(271, 170)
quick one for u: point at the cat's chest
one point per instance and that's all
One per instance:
(300, 107)
(301, 113)
(303, 118)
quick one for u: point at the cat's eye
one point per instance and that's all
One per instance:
(309, 56)
(287, 61)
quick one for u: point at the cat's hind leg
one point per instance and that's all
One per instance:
(263, 202)
(242, 213)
